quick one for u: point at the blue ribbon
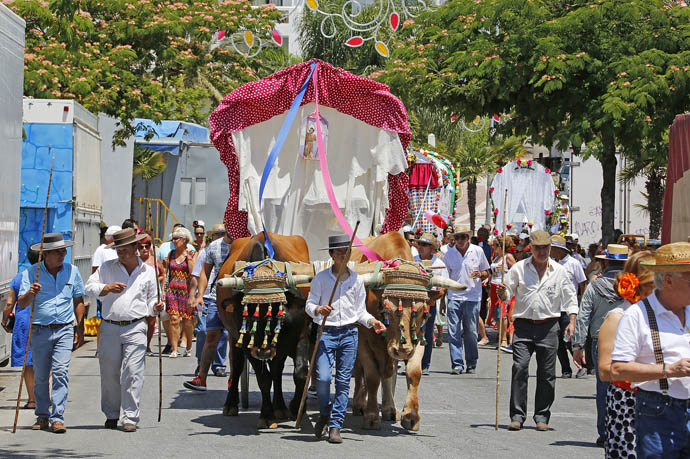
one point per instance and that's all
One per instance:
(277, 146)
(616, 256)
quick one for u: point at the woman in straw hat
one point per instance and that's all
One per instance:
(652, 350)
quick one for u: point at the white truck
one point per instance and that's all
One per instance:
(11, 91)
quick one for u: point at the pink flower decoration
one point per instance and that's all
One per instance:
(556, 192)
(509, 225)
(495, 232)
(491, 190)
(495, 211)
(500, 170)
(547, 212)
(548, 171)
(529, 163)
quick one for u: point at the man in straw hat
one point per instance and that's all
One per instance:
(127, 289)
(338, 345)
(467, 264)
(600, 297)
(542, 288)
(427, 245)
(652, 349)
(59, 300)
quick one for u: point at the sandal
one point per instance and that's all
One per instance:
(187, 354)
(29, 406)
(173, 355)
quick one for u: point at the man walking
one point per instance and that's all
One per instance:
(599, 298)
(561, 253)
(652, 349)
(427, 245)
(216, 254)
(541, 288)
(127, 289)
(338, 345)
(467, 264)
(59, 300)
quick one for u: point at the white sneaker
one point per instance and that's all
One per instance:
(173, 355)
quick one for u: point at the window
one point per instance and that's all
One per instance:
(200, 192)
(186, 191)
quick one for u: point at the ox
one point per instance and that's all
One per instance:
(404, 339)
(266, 344)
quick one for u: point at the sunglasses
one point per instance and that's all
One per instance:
(146, 245)
(199, 234)
(462, 237)
(176, 238)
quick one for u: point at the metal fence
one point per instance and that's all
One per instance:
(155, 216)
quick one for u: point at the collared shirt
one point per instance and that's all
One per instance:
(349, 301)
(536, 298)
(436, 262)
(575, 271)
(102, 253)
(54, 303)
(216, 254)
(135, 301)
(459, 269)
(196, 272)
(634, 343)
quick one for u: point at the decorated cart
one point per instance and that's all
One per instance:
(433, 190)
(310, 150)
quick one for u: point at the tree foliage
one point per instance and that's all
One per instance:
(133, 58)
(608, 72)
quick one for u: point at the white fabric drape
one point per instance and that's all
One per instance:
(530, 195)
(360, 157)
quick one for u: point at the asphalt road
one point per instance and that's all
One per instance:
(457, 419)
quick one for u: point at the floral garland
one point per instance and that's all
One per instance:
(628, 287)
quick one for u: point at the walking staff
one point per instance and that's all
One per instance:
(500, 319)
(33, 302)
(158, 296)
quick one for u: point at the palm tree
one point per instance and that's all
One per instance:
(147, 164)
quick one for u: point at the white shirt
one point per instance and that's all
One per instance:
(634, 343)
(415, 252)
(349, 301)
(575, 271)
(444, 248)
(196, 272)
(459, 269)
(540, 299)
(436, 262)
(102, 254)
(135, 301)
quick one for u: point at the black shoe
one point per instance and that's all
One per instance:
(334, 435)
(111, 424)
(220, 372)
(471, 370)
(321, 427)
(567, 374)
(167, 349)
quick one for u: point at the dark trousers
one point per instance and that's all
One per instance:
(564, 347)
(541, 339)
(429, 337)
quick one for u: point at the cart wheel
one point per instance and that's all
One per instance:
(244, 385)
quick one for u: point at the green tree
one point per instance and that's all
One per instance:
(132, 58)
(609, 73)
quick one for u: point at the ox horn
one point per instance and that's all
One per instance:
(235, 283)
(302, 279)
(444, 282)
(371, 279)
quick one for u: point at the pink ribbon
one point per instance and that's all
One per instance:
(366, 251)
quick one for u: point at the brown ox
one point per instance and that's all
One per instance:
(376, 353)
(292, 339)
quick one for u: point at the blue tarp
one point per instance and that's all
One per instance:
(168, 131)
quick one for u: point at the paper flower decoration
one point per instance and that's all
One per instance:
(495, 232)
(495, 211)
(556, 192)
(529, 163)
(500, 170)
(548, 171)
(491, 190)
(509, 225)
(530, 224)
(547, 212)
(628, 287)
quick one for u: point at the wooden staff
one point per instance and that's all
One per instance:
(158, 293)
(33, 303)
(300, 412)
(500, 320)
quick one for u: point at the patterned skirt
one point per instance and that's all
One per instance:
(620, 423)
(177, 292)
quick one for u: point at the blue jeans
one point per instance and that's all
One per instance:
(200, 329)
(429, 337)
(662, 424)
(339, 346)
(52, 351)
(602, 388)
(462, 329)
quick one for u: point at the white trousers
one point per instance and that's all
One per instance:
(122, 358)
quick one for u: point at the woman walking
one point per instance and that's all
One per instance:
(180, 263)
(498, 308)
(145, 253)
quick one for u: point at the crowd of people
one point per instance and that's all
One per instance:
(622, 316)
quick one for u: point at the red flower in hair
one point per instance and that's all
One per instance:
(512, 250)
(628, 287)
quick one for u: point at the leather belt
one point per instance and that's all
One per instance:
(338, 327)
(52, 325)
(122, 323)
(539, 322)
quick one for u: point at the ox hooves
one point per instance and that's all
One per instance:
(371, 422)
(231, 411)
(390, 414)
(266, 424)
(283, 414)
(357, 411)
(410, 421)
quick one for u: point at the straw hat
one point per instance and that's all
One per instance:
(428, 238)
(670, 258)
(616, 252)
(558, 241)
(217, 228)
(461, 229)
